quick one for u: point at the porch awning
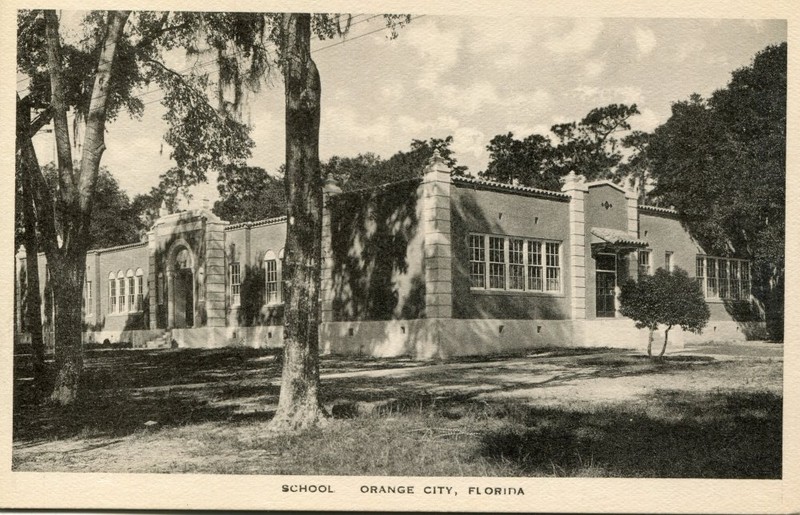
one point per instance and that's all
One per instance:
(613, 240)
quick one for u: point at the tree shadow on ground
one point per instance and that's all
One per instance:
(742, 439)
(122, 390)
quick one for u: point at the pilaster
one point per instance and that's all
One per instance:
(215, 273)
(152, 274)
(329, 191)
(575, 186)
(436, 191)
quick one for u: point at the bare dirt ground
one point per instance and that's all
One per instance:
(208, 411)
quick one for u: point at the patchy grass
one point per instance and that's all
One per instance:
(558, 412)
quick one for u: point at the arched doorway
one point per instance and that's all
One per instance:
(182, 297)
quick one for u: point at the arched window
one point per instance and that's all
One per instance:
(139, 289)
(121, 292)
(183, 259)
(112, 293)
(271, 273)
(131, 280)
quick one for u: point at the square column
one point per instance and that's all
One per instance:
(330, 190)
(575, 186)
(436, 191)
(215, 273)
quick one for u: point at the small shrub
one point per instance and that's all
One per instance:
(667, 298)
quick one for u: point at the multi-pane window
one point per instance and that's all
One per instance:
(497, 263)
(723, 278)
(271, 266)
(514, 264)
(644, 263)
(668, 261)
(712, 285)
(236, 280)
(535, 274)
(139, 289)
(112, 293)
(553, 266)
(120, 292)
(88, 296)
(131, 291)
(477, 260)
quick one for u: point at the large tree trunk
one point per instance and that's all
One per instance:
(26, 162)
(650, 342)
(67, 277)
(73, 201)
(299, 406)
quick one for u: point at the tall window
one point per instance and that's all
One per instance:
(644, 262)
(712, 289)
(131, 291)
(535, 274)
(121, 292)
(161, 288)
(514, 264)
(668, 261)
(271, 267)
(139, 289)
(497, 263)
(112, 293)
(723, 278)
(88, 297)
(477, 260)
(236, 280)
(553, 266)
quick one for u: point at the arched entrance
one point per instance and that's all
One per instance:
(182, 298)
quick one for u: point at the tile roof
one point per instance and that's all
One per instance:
(480, 183)
(656, 209)
(257, 223)
(616, 237)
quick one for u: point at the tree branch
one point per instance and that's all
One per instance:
(59, 106)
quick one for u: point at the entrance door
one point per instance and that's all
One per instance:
(605, 283)
(184, 298)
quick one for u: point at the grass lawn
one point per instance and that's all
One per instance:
(556, 412)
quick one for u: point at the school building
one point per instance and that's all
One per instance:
(431, 267)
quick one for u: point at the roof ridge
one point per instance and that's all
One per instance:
(512, 187)
(257, 223)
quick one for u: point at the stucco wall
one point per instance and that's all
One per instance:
(377, 254)
(125, 259)
(248, 245)
(513, 215)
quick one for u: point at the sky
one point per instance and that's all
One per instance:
(471, 78)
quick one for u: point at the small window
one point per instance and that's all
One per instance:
(235, 278)
(644, 263)
(668, 261)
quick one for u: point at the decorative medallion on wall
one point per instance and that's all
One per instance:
(607, 204)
